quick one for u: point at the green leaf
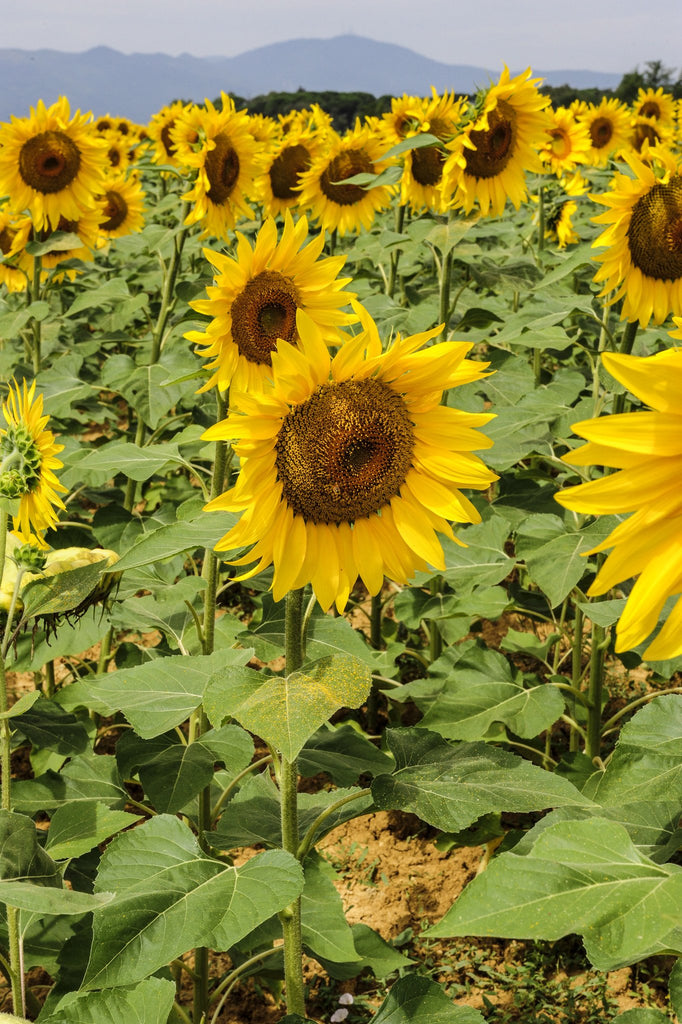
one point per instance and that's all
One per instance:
(603, 613)
(170, 898)
(642, 1015)
(21, 857)
(418, 1000)
(87, 778)
(344, 754)
(61, 593)
(287, 711)
(554, 555)
(451, 786)
(375, 955)
(38, 899)
(484, 561)
(23, 704)
(647, 761)
(157, 696)
(325, 931)
(580, 876)
(675, 987)
(57, 241)
(149, 1002)
(48, 726)
(75, 830)
(176, 538)
(137, 463)
(113, 290)
(176, 775)
(465, 712)
(253, 816)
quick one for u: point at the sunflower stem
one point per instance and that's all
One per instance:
(210, 567)
(6, 791)
(594, 693)
(35, 323)
(435, 638)
(167, 301)
(444, 305)
(625, 348)
(375, 641)
(576, 668)
(290, 917)
(541, 218)
(395, 253)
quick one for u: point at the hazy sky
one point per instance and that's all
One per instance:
(603, 35)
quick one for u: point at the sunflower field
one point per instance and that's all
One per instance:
(340, 483)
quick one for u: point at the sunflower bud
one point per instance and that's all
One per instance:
(30, 558)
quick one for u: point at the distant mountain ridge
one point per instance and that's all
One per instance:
(137, 85)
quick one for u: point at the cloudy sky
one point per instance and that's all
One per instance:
(608, 35)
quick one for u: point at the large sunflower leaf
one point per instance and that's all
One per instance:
(287, 711)
(647, 761)
(149, 1002)
(325, 930)
(584, 877)
(451, 786)
(417, 999)
(170, 898)
(463, 712)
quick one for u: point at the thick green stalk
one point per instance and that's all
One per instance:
(594, 693)
(167, 300)
(576, 668)
(444, 304)
(6, 789)
(395, 254)
(210, 567)
(290, 917)
(35, 323)
(625, 348)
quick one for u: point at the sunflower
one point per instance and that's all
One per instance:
(217, 143)
(657, 104)
(643, 258)
(121, 207)
(277, 187)
(609, 126)
(51, 164)
(14, 234)
(118, 151)
(350, 465)
(645, 448)
(28, 453)
(569, 142)
(488, 159)
(647, 133)
(159, 132)
(559, 223)
(256, 297)
(343, 207)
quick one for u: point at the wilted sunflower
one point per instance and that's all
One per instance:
(121, 207)
(643, 259)
(28, 453)
(51, 164)
(609, 126)
(646, 449)
(351, 466)
(345, 207)
(256, 297)
(277, 186)
(217, 143)
(489, 158)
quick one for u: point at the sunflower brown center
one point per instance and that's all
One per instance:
(494, 146)
(49, 161)
(655, 232)
(285, 169)
(114, 156)
(115, 211)
(345, 165)
(166, 138)
(263, 312)
(644, 133)
(7, 236)
(601, 132)
(650, 109)
(345, 452)
(222, 169)
(427, 165)
(103, 125)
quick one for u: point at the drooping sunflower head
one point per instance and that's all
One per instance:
(488, 159)
(256, 297)
(51, 164)
(350, 465)
(121, 207)
(642, 262)
(15, 232)
(336, 203)
(28, 460)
